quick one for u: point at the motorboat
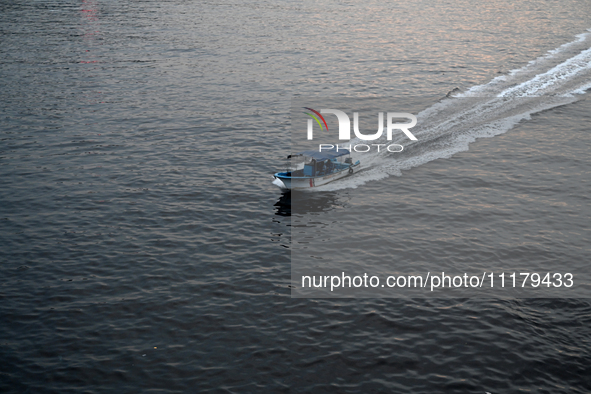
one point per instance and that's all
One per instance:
(313, 168)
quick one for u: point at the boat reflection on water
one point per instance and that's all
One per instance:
(300, 203)
(283, 205)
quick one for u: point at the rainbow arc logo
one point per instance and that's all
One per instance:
(316, 119)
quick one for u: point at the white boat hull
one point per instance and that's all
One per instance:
(297, 183)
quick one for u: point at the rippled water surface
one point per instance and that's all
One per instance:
(144, 248)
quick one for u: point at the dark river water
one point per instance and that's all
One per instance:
(143, 247)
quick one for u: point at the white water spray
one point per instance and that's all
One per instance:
(484, 111)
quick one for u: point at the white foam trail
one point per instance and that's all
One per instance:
(541, 82)
(551, 57)
(484, 111)
(581, 90)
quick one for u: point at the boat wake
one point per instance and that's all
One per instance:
(483, 111)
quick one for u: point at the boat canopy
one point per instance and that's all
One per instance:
(324, 155)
